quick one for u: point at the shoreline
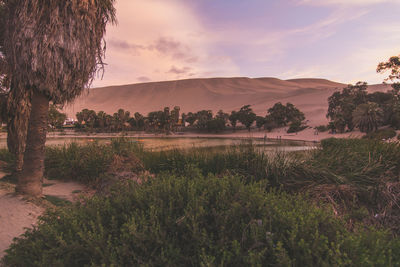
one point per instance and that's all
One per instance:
(307, 135)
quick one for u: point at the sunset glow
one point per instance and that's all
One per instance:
(175, 39)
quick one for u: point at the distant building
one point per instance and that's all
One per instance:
(70, 122)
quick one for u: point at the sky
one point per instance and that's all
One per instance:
(339, 40)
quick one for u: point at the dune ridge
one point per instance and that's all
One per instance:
(308, 94)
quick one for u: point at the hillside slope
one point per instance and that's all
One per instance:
(309, 95)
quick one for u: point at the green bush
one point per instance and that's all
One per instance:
(295, 127)
(198, 221)
(86, 163)
(322, 128)
(382, 134)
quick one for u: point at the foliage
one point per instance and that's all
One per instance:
(283, 115)
(203, 118)
(342, 105)
(56, 118)
(322, 128)
(393, 64)
(367, 117)
(246, 116)
(382, 134)
(260, 121)
(198, 221)
(60, 74)
(233, 118)
(216, 125)
(296, 126)
(86, 163)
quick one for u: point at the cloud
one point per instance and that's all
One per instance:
(143, 79)
(345, 2)
(175, 70)
(124, 45)
(153, 35)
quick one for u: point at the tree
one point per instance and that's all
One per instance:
(203, 117)
(215, 125)
(56, 118)
(139, 118)
(281, 115)
(222, 115)
(367, 117)
(269, 123)
(293, 114)
(260, 121)
(53, 50)
(393, 65)
(101, 120)
(342, 104)
(175, 117)
(278, 114)
(191, 118)
(246, 116)
(233, 118)
(121, 118)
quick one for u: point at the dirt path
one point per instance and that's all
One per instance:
(16, 214)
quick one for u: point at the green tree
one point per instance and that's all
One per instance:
(101, 120)
(139, 118)
(393, 65)
(269, 123)
(246, 116)
(56, 118)
(121, 118)
(53, 50)
(233, 118)
(260, 121)
(367, 117)
(342, 104)
(283, 115)
(191, 118)
(215, 125)
(222, 115)
(278, 114)
(203, 117)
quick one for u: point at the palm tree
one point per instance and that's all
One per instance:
(367, 117)
(53, 50)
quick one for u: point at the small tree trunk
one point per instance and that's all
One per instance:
(31, 177)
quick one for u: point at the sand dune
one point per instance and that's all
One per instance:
(309, 95)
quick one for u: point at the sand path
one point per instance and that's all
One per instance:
(17, 214)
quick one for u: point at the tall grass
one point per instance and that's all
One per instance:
(86, 163)
(359, 178)
(199, 221)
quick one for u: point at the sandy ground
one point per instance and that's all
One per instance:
(17, 214)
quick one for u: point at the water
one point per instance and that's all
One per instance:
(166, 143)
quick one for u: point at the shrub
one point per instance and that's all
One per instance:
(295, 127)
(382, 134)
(88, 163)
(322, 128)
(198, 221)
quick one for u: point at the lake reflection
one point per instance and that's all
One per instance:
(167, 143)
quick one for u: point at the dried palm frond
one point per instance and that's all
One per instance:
(50, 50)
(18, 112)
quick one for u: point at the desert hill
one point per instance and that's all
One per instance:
(309, 95)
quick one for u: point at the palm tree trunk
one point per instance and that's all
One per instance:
(31, 177)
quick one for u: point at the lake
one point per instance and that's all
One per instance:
(167, 143)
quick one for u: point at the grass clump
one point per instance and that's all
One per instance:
(56, 201)
(382, 134)
(89, 163)
(198, 221)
